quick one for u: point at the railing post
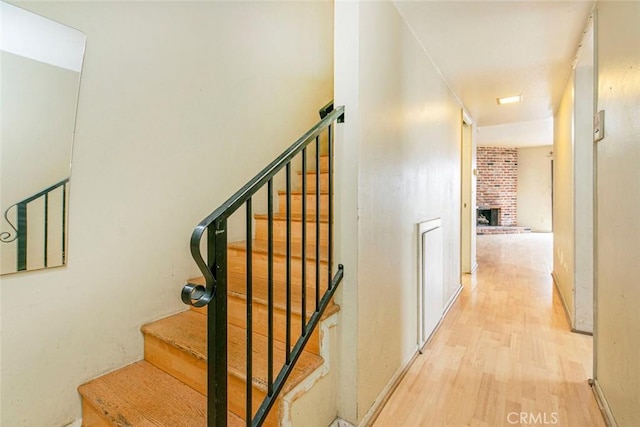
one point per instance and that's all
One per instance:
(217, 326)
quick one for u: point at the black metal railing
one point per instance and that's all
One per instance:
(20, 228)
(215, 269)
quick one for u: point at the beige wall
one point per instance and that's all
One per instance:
(617, 327)
(563, 224)
(403, 125)
(534, 188)
(180, 104)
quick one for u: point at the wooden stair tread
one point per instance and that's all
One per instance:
(313, 172)
(236, 286)
(280, 249)
(299, 192)
(188, 331)
(295, 217)
(142, 395)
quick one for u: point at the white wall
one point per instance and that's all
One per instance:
(563, 205)
(617, 327)
(180, 104)
(534, 188)
(404, 126)
(469, 195)
(573, 192)
(583, 193)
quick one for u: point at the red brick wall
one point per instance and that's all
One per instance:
(498, 181)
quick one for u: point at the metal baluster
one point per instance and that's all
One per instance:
(270, 288)
(288, 279)
(249, 255)
(330, 205)
(304, 242)
(46, 226)
(217, 326)
(317, 223)
(64, 222)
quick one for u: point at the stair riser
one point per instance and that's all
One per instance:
(236, 262)
(296, 203)
(193, 372)
(237, 312)
(280, 231)
(324, 163)
(236, 390)
(311, 181)
(91, 417)
(190, 370)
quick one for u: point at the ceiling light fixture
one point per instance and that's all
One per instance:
(509, 99)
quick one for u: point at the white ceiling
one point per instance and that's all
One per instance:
(491, 49)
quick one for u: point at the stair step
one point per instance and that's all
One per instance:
(142, 395)
(280, 228)
(178, 345)
(324, 163)
(311, 180)
(296, 201)
(236, 261)
(236, 286)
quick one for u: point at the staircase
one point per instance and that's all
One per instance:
(169, 387)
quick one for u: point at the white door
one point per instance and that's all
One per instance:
(431, 278)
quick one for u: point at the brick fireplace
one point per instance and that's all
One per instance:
(497, 185)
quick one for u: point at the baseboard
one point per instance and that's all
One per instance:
(578, 331)
(339, 422)
(373, 412)
(564, 303)
(76, 423)
(453, 299)
(603, 404)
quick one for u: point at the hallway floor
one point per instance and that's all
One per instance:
(504, 355)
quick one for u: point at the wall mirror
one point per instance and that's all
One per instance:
(40, 67)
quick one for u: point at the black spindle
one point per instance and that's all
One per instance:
(249, 382)
(288, 273)
(330, 204)
(318, 223)
(46, 227)
(303, 308)
(64, 222)
(270, 288)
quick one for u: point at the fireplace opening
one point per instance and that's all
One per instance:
(488, 215)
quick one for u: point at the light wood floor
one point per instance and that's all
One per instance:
(504, 349)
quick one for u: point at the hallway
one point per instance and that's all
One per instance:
(504, 353)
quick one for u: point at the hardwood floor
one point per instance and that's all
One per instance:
(504, 355)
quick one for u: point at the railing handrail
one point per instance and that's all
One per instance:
(199, 296)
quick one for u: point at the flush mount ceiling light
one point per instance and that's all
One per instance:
(509, 99)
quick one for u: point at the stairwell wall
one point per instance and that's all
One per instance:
(617, 296)
(180, 104)
(563, 200)
(404, 123)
